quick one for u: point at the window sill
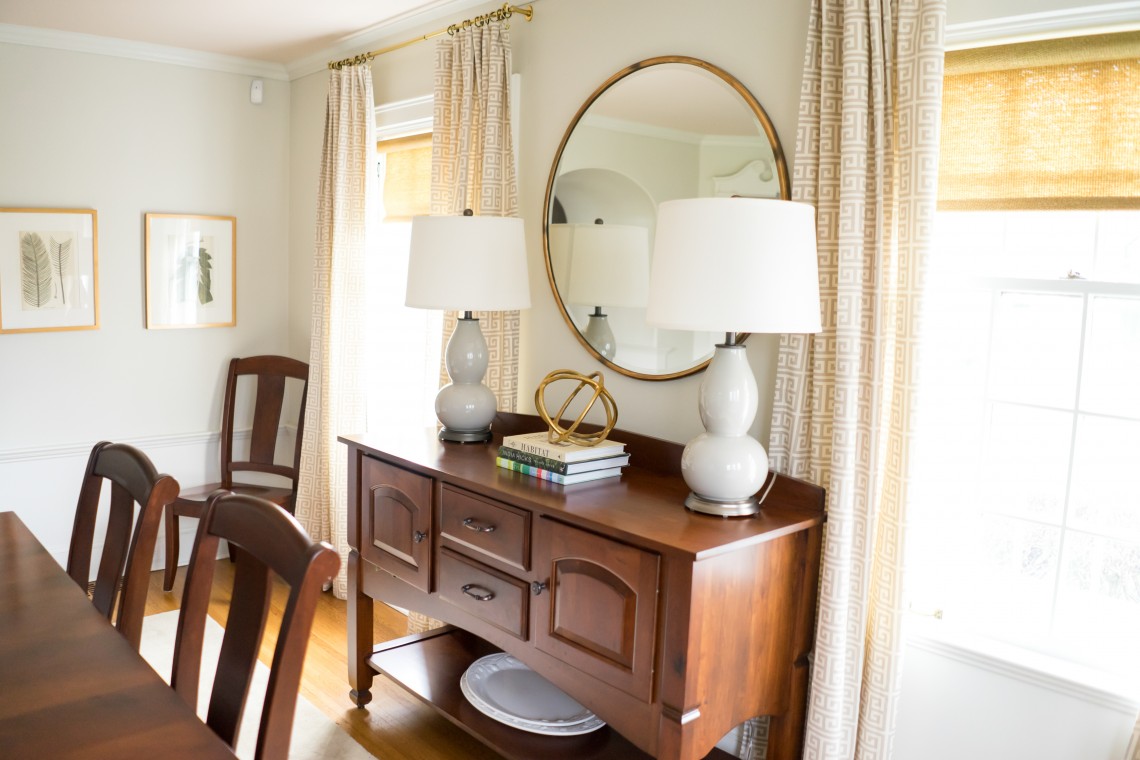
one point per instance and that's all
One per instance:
(1116, 691)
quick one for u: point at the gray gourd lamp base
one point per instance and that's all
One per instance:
(725, 466)
(465, 406)
(600, 335)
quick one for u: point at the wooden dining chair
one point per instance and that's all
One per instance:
(268, 541)
(128, 547)
(270, 374)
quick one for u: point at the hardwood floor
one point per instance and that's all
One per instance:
(395, 726)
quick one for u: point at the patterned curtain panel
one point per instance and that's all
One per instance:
(473, 167)
(336, 396)
(866, 158)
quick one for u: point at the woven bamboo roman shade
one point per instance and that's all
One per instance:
(407, 177)
(1050, 124)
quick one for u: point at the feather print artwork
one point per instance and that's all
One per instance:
(36, 282)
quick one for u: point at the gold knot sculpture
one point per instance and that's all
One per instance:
(559, 434)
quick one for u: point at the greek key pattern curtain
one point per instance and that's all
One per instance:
(867, 158)
(473, 167)
(336, 400)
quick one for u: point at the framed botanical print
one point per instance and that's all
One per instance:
(191, 271)
(48, 270)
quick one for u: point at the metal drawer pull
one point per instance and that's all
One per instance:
(419, 536)
(473, 591)
(537, 587)
(470, 524)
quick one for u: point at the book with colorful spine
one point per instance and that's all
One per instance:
(564, 468)
(557, 477)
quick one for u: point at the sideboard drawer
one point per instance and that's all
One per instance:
(488, 528)
(483, 592)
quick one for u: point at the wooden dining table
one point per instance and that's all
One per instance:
(70, 685)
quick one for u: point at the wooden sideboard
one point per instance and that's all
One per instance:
(672, 626)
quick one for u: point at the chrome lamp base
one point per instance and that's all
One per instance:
(741, 508)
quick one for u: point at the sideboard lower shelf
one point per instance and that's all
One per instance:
(429, 666)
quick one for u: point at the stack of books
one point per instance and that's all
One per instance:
(566, 463)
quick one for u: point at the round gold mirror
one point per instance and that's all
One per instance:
(664, 128)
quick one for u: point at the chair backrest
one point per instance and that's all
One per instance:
(271, 374)
(128, 548)
(268, 540)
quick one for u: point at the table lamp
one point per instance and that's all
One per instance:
(467, 263)
(609, 266)
(732, 265)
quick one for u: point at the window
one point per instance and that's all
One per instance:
(1027, 502)
(404, 363)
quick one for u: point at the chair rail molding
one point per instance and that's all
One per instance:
(65, 450)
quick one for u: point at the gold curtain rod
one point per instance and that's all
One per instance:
(499, 14)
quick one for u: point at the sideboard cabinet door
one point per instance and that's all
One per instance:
(598, 611)
(396, 523)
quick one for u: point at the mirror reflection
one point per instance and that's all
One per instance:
(661, 129)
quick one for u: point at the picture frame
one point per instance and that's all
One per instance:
(49, 270)
(191, 271)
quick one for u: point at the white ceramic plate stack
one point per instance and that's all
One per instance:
(502, 688)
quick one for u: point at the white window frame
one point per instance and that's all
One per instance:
(1113, 690)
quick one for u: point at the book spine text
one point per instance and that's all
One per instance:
(534, 460)
(526, 469)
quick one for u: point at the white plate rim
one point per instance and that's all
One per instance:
(584, 725)
(491, 663)
(573, 729)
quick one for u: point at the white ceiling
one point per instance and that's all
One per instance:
(276, 31)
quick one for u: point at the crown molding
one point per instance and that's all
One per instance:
(1090, 19)
(349, 46)
(375, 36)
(142, 51)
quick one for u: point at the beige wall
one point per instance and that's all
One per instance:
(562, 56)
(126, 137)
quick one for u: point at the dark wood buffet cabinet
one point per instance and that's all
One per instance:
(673, 627)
